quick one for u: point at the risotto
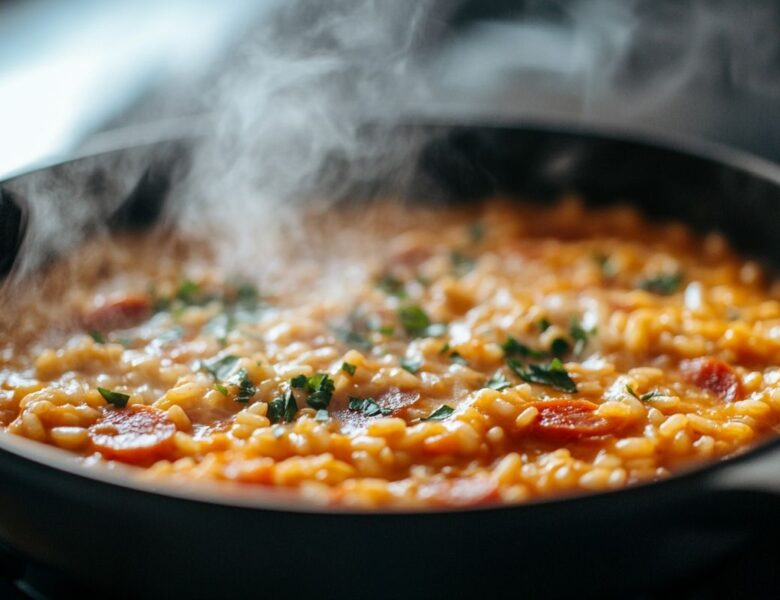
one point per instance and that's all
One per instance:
(496, 354)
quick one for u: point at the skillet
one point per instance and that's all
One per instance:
(134, 538)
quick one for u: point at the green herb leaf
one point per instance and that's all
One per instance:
(543, 325)
(498, 382)
(299, 381)
(392, 286)
(320, 388)
(664, 285)
(461, 263)
(349, 335)
(221, 389)
(220, 368)
(554, 375)
(188, 292)
(367, 406)
(411, 365)
(118, 399)
(456, 358)
(440, 413)
(579, 335)
(283, 408)
(246, 389)
(559, 347)
(386, 330)
(512, 347)
(414, 320)
(348, 368)
(644, 397)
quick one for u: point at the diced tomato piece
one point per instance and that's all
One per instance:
(571, 419)
(136, 434)
(714, 375)
(118, 313)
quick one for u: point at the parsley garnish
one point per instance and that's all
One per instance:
(663, 285)
(221, 389)
(283, 408)
(579, 335)
(411, 365)
(367, 406)
(392, 286)
(456, 358)
(246, 389)
(319, 388)
(299, 381)
(348, 368)
(222, 367)
(512, 347)
(543, 325)
(97, 337)
(440, 413)
(350, 336)
(554, 375)
(644, 397)
(461, 263)
(559, 347)
(118, 399)
(498, 382)
(414, 320)
(188, 292)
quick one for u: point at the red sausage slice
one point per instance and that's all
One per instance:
(118, 312)
(571, 420)
(712, 374)
(137, 434)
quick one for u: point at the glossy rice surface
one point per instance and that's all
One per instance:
(504, 353)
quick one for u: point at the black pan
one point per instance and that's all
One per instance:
(137, 539)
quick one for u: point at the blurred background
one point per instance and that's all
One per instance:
(76, 75)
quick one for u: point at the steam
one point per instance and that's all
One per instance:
(314, 108)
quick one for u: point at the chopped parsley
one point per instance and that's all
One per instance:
(411, 365)
(188, 292)
(543, 324)
(644, 397)
(512, 347)
(118, 399)
(246, 389)
(461, 263)
(299, 381)
(319, 388)
(392, 286)
(283, 408)
(414, 320)
(554, 375)
(221, 389)
(663, 285)
(440, 413)
(579, 335)
(498, 382)
(559, 347)
(455, 357)
(348, 368)
(220, 368)
(367, 406)
(97, 337)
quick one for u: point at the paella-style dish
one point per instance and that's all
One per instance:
(460, 356)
